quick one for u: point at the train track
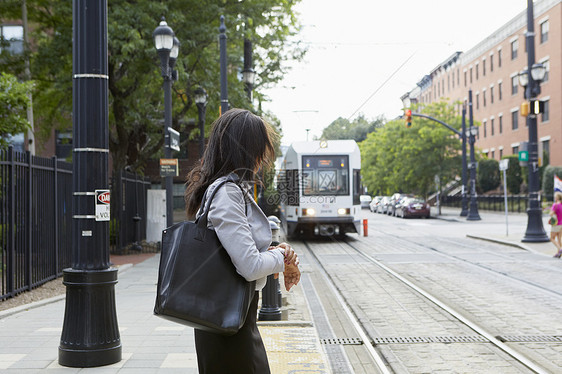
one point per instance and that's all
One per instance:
(366, 335)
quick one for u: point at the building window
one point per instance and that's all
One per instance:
(501, 153)
(470, 75)
(13, 35)
(515, 120)
(493, 154)
(500, 90)
(484, 126)
(458, 77)
(483, 67)
(484, 97)
(499, 58)
(477, 71)
(477, 101)
(500, 124)
(514, 84)
(491, 62)
(546, 74)
(491, 94)
(465, 78)
(492, 127)
(544, 31)
(515, 150)
(545, 115)
(545, 152)
(514, 48)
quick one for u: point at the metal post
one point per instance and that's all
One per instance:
(271, 304)
(169, 182)
(535, 231)
(248, 66)
(223, 80)
(464, 202)
(201, 110)
(473, 208)
(90, 335)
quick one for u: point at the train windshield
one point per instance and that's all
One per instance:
(325, 175)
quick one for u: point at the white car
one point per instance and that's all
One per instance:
(365, 201)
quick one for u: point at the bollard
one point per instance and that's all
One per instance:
(365, 227)
(270, 301)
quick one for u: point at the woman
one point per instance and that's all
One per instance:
(556, 229)
(239, 145)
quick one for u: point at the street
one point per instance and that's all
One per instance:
(507, 299)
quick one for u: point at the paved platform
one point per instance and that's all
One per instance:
(30, 336)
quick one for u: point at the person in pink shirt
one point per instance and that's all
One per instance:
(556, 229)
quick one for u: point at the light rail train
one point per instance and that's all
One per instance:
(319, 184)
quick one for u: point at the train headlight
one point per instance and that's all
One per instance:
(308, 212)
(343, 211)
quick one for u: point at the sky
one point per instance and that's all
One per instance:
(364, 54)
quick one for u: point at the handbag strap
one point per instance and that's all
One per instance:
(201, 221)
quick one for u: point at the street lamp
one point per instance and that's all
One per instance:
(535, 230)
(167, 46)
(201, 102)
(223, 70)
(472, 132)
(464, 202)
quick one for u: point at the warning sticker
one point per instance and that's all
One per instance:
(102, 205)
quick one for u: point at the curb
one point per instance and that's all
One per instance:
(504, 242)
(54, 299)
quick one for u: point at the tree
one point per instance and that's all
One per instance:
(135, 93)
(14, 99)
(548, 180)
(357, 130)
(488, 176)
(399, 159)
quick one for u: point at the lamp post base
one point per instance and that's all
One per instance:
(535, 231)
(271, 307)
(90, 335)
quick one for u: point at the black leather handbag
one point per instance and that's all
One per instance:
(198, 285)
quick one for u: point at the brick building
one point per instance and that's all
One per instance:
(491, 70)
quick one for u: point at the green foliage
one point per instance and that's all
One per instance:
(357, 130)
(136, 107)
(548, 180)
(513, 174)
(488, 175)
(399, 159)
(13, 110)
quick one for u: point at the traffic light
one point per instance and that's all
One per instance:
(537, 106)
(408, 115)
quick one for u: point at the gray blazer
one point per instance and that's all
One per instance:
(244, 232)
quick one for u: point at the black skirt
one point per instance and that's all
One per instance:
(242, 352)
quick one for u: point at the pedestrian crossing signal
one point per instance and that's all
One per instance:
(408, 115)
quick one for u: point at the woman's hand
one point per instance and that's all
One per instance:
(290, 255)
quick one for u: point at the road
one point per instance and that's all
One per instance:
(431, 299)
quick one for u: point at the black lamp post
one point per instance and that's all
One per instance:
(201, 102)
(167, 47)
(464, 202)
(223, 78)
(90, 333)
(248, 74)
(531, 80)
(472, 132)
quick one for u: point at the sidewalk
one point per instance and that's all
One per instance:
(29, 338)
(492, 227)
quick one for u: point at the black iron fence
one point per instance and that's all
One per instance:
(36, 220)
(128, 201)
(515, 203)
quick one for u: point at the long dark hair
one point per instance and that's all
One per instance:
(240, 142)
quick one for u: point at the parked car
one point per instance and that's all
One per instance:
(374, 203)
(395, 202)
(414, 207)
(383, 205)
(365, 200)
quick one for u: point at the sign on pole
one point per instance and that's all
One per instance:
(504, 164)
(169, 167)
(102, 205)
(174, 139)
